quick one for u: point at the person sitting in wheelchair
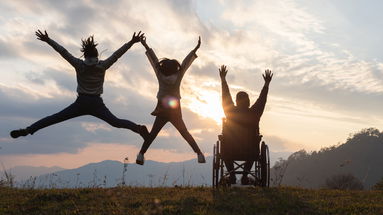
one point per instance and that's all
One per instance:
(241, 128)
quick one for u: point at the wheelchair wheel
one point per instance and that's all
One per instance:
(216, 165)
(265, 165)
(213, 167)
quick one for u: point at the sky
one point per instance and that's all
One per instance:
(325, 56)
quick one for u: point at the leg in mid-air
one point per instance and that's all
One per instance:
(69, 112)
(181, 127)
(159, 122)
(102, 112)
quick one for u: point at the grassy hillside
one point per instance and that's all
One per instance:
(360, 156)
(189, 201)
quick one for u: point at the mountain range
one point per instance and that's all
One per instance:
(111, 173)
(360, 156)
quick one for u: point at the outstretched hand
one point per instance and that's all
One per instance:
(222, 72)
(143, 42)
(198, 44)
(42, 36)
(267, 76)
(137, 38)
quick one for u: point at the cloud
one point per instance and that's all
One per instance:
(63, 80)
(130, 85)
(318, 81)
(6, 50)
(278, 144)
(72, 135)
(296, 55)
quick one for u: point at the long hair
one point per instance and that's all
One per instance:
(169, 66)
(88, 46)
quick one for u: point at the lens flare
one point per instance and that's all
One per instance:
(173, 103)
(170, 102)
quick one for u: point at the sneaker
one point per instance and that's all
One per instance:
(20, 132)
(201, 158)
(140, 159)
(143, 131)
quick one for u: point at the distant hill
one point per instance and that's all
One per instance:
(361, 155)
(25, 172)
(109, 174)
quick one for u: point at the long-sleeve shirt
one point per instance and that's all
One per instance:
(245, 118)
(170, 85)
(90, 77)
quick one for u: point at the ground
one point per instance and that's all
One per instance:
(191, 200)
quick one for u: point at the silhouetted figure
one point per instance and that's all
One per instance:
(90, 74)
(169, 73)
(242, 118)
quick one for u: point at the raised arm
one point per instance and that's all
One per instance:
(259, 105)
(151, 56)
(190, 57)
(227, 101)
(61, 50)
(117, 54)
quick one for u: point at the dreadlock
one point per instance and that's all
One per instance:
(89, 47)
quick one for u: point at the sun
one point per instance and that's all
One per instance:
(208, 105)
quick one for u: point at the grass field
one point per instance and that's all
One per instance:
(132, 200)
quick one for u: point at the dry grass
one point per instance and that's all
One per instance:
(133, 200)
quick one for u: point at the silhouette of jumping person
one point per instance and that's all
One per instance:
(244, 116)
(90, 74)
(169, 73)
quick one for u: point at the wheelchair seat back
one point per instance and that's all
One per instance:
(239, 142)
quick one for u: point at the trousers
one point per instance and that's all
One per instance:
(84, 105)
(177, 122)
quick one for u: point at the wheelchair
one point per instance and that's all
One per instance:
(240, 146)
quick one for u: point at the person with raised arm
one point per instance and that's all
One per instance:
(169, 73)
(243, 116)
(90, 73)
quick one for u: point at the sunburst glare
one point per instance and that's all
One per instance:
(208, 104)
